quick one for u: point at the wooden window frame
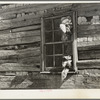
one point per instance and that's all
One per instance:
(74, 41)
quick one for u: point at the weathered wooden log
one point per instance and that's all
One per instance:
(92, 43)
(86, 55)
(18, 54)
(27, 28)
(20, 46)
(29, 60)
(95, 47)
(19, 34)
(86, 33)
(9, 16)
(18, 67)
(6, 24)
(88, 27)
(28, 39)
(28, 8)
(87, 64)
(8, 61)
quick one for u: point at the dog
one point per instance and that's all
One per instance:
(66, 64)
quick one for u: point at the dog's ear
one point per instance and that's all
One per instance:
(64, 59)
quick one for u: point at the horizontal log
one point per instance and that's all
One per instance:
(28, 39)
(9, 35)
(9, 16)
(40, 13)
(82, 28)
(88, 30)
(87, 64)
(26, 28)
(86, 7)
(19, 54)
(8, 61)
(29, 53)
(95, 47)
(29, 60)
(87, 55)
(89, 12)
(20, 46)
(8, 24)
(18, 67)
(31, 8)
(92, 43)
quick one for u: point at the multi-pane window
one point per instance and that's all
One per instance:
(53, 47)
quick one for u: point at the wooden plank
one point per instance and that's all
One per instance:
(29, 60)
(6, 24)
(87, 55)
(9, 16)
(40, 13)
(29, 53)
(26, 28)
(26, 60)
(87, 9)
(87, 33)
(19, 54)
(88, 64)
(95, 47)
(18, 67)
(92, 43)
(8, 61)
(20, 46)
(88, 27)
(31, 8)
(89, 12)
(28, 39)
(19, 34)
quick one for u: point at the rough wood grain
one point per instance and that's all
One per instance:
(7, 24)
(28, 39)
(95, 47)
(19, 34)
(88, 27)
(29, 8)
(27, 28)
(18, 67)
(87, 55)
(18, 54)
(87, 64)
(92, 43)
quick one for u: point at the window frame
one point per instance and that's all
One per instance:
(74, 40)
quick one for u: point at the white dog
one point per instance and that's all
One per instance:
(66, 64)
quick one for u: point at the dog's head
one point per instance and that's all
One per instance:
(67, 62)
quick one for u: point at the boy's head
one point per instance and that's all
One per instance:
(66, 20)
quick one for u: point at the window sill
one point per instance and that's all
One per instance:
(47, 72)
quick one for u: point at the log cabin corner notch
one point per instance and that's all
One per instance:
(52, 47)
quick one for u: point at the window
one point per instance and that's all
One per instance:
(53, 47)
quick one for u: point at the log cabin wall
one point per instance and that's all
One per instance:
(20, 39)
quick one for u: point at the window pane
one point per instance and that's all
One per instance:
(48, 24)
(48, 37)
(57, 22)
(58, 48)
(68, 48)
(57, 36)
(49, 61)
(49, 49)
(58, 61)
